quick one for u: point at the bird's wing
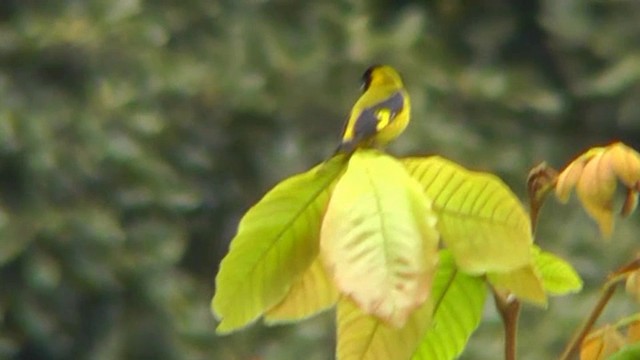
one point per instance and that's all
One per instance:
(378, 116)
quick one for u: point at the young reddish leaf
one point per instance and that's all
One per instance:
(276, 242)
(479, 218)
(365, 337)
(458, 303)
(310, 294)
(378, 238)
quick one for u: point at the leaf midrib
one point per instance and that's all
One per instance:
(281, 233)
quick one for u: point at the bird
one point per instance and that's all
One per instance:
(381, 113)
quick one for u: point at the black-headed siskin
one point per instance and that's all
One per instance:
(381, 113)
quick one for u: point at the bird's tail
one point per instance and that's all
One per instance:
(346, 147)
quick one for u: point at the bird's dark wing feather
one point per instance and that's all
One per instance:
(367, 123)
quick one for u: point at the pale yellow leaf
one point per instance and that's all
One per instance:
(378, 237)
(365, 337)
(479, 218)
(525, 283)
(311, 293)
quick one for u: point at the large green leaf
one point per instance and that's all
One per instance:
(479, 218)
(458, 303)
(365, 337)
(378, 237)
(277, 240)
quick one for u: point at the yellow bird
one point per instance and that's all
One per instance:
(381, 113)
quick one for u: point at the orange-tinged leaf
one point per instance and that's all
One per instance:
(525, 283)
(633, 332)
(378, 238)
(595, 175)
(277, 241)
(596, 189)
(480, 220)
(571, 174)
(311, 293)
(601, 344)
(625, 163)
(365, 337)
(591, 349)
(632, 284)
(568, 179)
(630, 203)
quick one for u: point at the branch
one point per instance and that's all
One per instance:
(609, 289)
(509, 308)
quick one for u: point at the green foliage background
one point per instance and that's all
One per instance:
(134, 134)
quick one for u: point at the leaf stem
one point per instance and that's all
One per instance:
(509, 309)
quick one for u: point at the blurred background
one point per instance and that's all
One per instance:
(134, 134)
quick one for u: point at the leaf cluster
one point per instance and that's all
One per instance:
(364, 233)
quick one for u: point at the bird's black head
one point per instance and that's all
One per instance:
(366, 77)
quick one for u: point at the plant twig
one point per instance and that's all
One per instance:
(541, 180)
(509, 309)
(609, 288)
(574, 344)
